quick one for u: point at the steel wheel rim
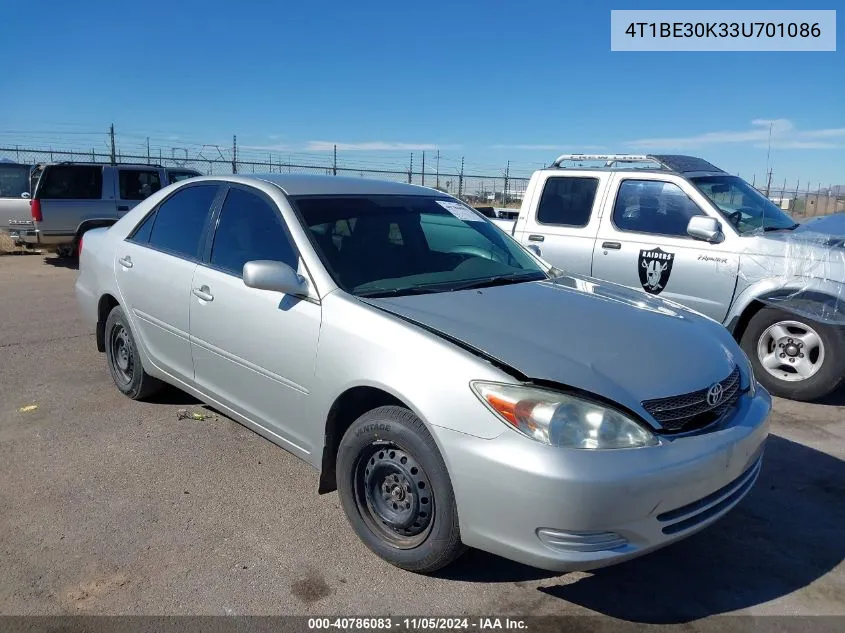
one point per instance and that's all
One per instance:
(120, 345)
(791, 351)
(393, 495)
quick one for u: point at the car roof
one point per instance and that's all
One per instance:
(118, 165)
(312, 184)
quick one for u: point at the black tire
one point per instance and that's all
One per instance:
(389, 450)
(124, 361)
(827, 377)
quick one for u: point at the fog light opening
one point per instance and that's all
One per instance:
(592, 541)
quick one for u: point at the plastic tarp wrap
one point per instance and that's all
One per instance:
(801, 271)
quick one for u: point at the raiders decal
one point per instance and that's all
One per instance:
(654, 267)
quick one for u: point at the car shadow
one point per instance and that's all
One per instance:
(478, 566)
(175, 396)
(835, 399)
(63, 262)
(785, 535)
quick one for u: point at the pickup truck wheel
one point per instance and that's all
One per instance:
(794, 357)
(124, 361)
(396, 492)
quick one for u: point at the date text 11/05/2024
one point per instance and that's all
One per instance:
(419, 623)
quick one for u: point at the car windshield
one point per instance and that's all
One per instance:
(14, 180)
(742, 205)
(396, 245)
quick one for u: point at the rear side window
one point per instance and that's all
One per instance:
(176, 176)
(14, 180)
(71, 182)
(567, 201)
(249, 228)
(180, 220)
(137, 184)
(141, 233)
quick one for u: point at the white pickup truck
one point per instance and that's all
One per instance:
(679, 227)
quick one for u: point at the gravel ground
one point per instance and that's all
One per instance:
(109, 506)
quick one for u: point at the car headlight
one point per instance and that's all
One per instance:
(559, 419)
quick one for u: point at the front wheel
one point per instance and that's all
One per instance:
(793, 356)
(396, 492)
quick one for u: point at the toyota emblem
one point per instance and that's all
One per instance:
(715, 394)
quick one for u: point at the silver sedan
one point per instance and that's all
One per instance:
(454, 388)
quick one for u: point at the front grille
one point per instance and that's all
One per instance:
(691, 411)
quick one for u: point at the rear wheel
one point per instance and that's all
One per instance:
(794, 357)
(124, 360)
(396, 492)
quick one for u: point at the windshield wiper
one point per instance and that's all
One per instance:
(375, 293)
(496, 280)
(446, 286)
(781, 228)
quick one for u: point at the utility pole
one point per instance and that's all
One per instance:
(505, 192)
(235, 154)
(769, 184)
(438, 170)
(113, 151)
(411, 169)
(148, 150)
(461, 180)
(334, 162)
(422, 182)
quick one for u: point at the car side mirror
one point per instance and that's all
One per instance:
(703, 227)
(25, 195)
(265, 274)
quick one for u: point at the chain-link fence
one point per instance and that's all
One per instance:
(803, 200)
(473, 188)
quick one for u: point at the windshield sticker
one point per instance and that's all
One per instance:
(460, 211)
(654, 267)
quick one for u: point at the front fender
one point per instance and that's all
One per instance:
(822, 300)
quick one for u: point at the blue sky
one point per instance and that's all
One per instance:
(491, 81)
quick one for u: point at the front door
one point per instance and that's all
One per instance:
(643, 244)
(254, 349)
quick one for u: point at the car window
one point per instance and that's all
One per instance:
(137, 184)
(398, 244)
(141, 233)
(71, 182)
(176, 176)
(179, 221)
(741, 204)
(14, 180)
(652, 206)
(250, 228)
(567, 201)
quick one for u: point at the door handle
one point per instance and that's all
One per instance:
(536, 238)
(123, 207)
(126, 262)
(612, 245)
(204, 293)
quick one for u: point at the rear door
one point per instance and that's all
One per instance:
(71, 194)
(135, 184)
(566, 221)
(154, 267)
(14, 197)
(643, 244)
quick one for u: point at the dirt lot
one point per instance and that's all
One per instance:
(112, 506)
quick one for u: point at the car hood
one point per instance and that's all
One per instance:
(575, 331)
